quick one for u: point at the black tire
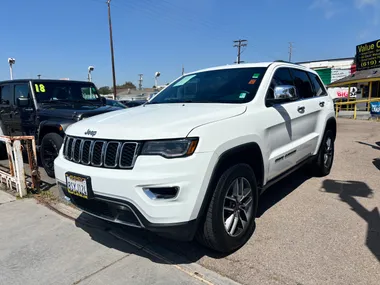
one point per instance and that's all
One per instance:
(213, 233)
(50, 146)
(325, 157)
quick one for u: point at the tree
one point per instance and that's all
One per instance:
(127, 84)
(105, 90)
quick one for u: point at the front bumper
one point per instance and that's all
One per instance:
(119, 196)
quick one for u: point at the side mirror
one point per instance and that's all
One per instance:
(285, 92)
(23, 102)
(103, 100)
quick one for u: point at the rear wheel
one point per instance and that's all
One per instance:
(230, 219)
(50, 146)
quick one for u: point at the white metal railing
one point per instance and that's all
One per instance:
(15, 178)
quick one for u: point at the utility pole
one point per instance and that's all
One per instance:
(239, 44)
(183, 70)
(140, 81)
(112, 54)
(290, 51)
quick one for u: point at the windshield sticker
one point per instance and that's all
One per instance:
(256, 75)
(252, 81)
(242, 95)
(39, 88)
(184, 80)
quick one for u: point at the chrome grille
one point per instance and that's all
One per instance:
(100, 153)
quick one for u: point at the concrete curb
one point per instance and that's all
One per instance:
(194, 270)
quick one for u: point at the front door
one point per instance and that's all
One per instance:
(23, 111)
(284, 121)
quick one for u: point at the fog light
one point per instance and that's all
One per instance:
(161, 192)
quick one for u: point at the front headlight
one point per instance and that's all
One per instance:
(170, 148)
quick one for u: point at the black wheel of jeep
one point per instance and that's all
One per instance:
(325, 157)
(230, 218)
(50, 146)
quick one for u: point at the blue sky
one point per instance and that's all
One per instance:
(60, 39)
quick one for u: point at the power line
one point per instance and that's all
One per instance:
(239, 44)
(290, 51)
(112, 53)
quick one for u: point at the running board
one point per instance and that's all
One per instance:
(286, 173)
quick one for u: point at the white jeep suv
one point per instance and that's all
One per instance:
(193, 161)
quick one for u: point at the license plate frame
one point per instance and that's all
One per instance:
(82, 178)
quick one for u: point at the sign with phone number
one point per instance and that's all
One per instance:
(368, 55)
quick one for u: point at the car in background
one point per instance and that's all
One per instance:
(45, 109)
(115, 103)
(133, 103)
(151, 95)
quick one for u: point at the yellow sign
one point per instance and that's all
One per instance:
(39, 88)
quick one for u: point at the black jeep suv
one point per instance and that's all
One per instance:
(44, 109)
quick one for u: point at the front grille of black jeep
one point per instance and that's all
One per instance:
(101, 153)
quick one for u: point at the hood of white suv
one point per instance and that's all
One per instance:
(159, 121)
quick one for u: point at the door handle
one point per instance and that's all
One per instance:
(322, 103)
(16, 112)
(301, 109)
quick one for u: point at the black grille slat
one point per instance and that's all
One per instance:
(97, 156)
(100, 153)
(76, 150)
(69, 148)
(86, 152)
(111, 154)
(127, 155)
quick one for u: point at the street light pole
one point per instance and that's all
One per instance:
(112, 54)
(11, 62)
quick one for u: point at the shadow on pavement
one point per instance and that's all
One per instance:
(280, 190)
(178, 252)
(376, 163)
(347, 191)
(377, 146)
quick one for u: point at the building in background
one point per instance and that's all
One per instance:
(331, 70)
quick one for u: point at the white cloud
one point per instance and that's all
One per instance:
(327, 6)
(363, 3)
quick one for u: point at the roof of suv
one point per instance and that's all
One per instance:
(250, 65)
(42, 80)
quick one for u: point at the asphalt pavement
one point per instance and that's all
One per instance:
(39, 246)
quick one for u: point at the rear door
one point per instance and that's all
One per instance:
(306, 134)
(6, 99)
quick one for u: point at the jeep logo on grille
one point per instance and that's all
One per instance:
(90, 133)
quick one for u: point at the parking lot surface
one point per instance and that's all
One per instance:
(309, 230)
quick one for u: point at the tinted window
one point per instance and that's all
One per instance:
(302, 83)
(65, 91)
(230, 85)
(281, 77)
(319, 89)
(6, 95)
(21, 91)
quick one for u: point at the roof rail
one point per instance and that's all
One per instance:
(285, 61)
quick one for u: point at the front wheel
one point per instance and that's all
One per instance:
(230, 219)
(50, 146)
(325, 158)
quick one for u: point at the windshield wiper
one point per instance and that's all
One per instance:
(54, 101)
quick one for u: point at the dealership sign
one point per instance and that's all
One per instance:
(368, 55)
(337, 74)
(375, 108)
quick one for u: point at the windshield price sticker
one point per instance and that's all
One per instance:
(39, 88)
(184, 80)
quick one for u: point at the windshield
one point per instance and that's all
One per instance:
(115, 103)
(50, 91)
(234, 85)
